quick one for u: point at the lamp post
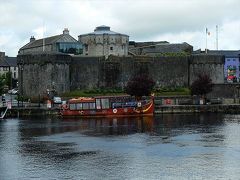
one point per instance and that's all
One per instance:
(238, 87)
(21, 70)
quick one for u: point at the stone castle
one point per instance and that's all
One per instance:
(106, 61)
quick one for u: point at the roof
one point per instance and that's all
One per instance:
(226, 53)
(48, 40)
(12, 61)
(9, 62)
(103, 30)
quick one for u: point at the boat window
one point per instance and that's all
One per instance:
(92, 106)
(85, 105)
(105, 103)
(79, 105)
(72, 106)
(98, 103)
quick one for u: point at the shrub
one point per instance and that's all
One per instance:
(202, 85)
(140, 85)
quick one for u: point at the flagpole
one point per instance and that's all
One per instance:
(217, 37)
(206, 40)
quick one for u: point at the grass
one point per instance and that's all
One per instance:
(93, 92)
(111, 92)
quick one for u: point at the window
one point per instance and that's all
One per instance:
(85, 106)
(91, 105)
(14, 68)
(72, 106)
(5, 68)
(86, 47)
(111, 48)
(70, 47)
(98, 103)
(105, 103)
(79, 106)
(14, 75)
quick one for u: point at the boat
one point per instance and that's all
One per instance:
(3, 113)
(102, 106)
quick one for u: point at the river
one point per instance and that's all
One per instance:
(183, 146)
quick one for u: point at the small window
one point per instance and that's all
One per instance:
(85, 105)
(86, 47)
(98, 103)
(105, 103)
(91, 105)
(14, 75)
(79, 106)
(111, 48)
(72, 106)
(14, 68)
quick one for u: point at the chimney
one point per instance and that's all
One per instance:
(65, 31)
(32, 39)
(2, 55)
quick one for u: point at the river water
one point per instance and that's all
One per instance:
(202, 146)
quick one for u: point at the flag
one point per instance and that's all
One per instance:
(207, 32)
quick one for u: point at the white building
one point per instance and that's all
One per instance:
(104, 42)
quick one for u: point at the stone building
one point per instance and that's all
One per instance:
(9, 64)
(104, 42)
(64, 43)
(159, 48)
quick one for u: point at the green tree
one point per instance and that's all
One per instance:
(202, 85)
(140, 85)
(8, 79)
(2, 83)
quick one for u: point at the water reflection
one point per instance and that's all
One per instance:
(196, 146)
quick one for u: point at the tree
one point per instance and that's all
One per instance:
(8, 79)
(140, 85)
(202, 85)
(2, 79)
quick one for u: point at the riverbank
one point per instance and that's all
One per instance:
(159, 109)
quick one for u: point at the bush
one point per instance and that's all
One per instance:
(202, 85)
(140, 85)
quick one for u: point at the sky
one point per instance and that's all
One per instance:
(175, 21)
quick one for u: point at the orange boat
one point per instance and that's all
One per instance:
(107, 106)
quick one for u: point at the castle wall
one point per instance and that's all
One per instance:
(63, 72)
(40, 72)
(213, 65)
(170, 71)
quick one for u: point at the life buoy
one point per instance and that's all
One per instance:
(114, 111)
(81, 112)
(139, 104)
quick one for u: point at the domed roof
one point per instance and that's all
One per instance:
(103, 30)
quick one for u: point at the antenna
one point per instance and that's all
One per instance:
(216, 37)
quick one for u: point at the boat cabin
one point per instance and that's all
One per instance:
(83, 103)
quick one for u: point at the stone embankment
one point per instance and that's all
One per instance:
(159, 109)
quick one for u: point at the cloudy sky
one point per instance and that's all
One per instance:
(175, 21)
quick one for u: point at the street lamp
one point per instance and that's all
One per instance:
(238, 87)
